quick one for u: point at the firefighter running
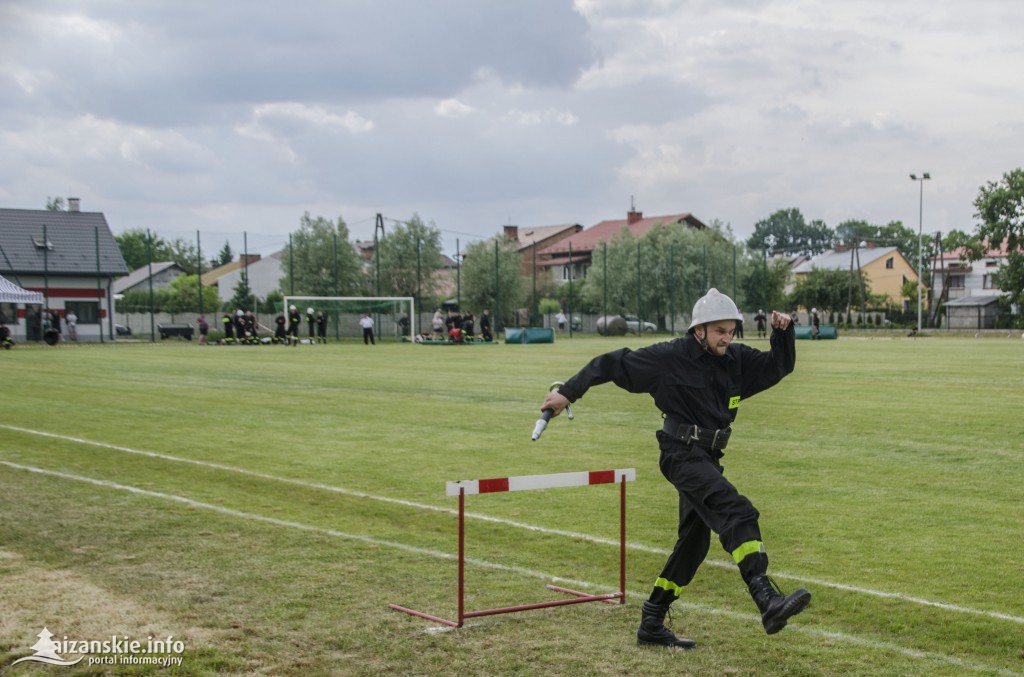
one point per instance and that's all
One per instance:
(698, 382)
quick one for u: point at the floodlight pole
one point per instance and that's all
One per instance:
(920, 246)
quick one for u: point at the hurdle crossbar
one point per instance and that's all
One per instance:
(521, 483)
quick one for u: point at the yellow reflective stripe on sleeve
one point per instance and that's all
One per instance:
(748, 548)
(666, 584)
(734, 402)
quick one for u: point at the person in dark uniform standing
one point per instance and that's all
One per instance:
(485, 325)
(229, 328)
(240, 334)
(280, 333)
(321, 327)
(760, 319)
(698, 382)
(311, 321)
(294, 319)
(251, 332)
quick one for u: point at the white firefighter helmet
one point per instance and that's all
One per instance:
(712, 307)
(292, 307)
(309, 311)
(238, 312)
(814, 310)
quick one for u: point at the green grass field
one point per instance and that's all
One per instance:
(264, 505)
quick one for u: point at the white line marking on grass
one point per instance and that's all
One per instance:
(702, 608)
(519, 525)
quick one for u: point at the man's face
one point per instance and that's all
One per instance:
(719, 335)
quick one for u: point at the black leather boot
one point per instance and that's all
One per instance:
(776, 608)
(653, 632)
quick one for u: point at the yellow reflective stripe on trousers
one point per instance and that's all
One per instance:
(748, 548)
(666, 584)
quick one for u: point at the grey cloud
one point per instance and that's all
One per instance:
(176, 61)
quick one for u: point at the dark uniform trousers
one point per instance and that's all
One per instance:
(707, 502)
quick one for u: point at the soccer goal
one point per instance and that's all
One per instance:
(393, 316)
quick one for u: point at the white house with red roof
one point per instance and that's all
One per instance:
(966, 289)
(955, 276)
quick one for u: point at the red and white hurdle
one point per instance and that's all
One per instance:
(462, 488)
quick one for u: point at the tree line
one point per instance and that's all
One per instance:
(657, 276)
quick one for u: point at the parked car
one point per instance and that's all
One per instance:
(633, 324)
(122, 330)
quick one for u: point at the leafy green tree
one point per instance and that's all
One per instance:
(138, 301)
(573, 296)
(1000, 207)
(826, 289)
(893, 234)
(660, 275)
(498, 285)
(224, 257)
(1010, 278)
(909, 290)
(787, 231)
(185, 254)
(137, 246)
(273, 303)
(242, 299)
(321, 260)
(54, 204)
(183, 296)
(612, 275)
(409, 254)
(764, 284)
(549, 306)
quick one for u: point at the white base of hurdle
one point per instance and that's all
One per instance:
(527, 482)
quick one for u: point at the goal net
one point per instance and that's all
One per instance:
(393, 316)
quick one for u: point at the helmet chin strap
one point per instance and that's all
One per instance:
(704, 340)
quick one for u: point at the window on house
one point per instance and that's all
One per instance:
(88, 312)
(574, 271)
(956, 281)
(987, 282)
(889, 262)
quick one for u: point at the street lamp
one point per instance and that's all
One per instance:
(920, 247)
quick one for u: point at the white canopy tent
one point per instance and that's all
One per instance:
(12, 293)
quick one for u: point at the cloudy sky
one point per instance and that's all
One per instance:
(238, 116)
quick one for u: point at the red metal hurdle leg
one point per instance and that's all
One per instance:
(533, 482)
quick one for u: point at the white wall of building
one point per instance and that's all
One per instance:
(264, 277)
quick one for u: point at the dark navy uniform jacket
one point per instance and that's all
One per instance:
(687, 383)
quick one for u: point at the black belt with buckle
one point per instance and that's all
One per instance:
(716, 440)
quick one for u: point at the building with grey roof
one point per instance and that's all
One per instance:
(161, 273)
(71, 258)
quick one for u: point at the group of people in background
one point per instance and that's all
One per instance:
(6, 342)
(454, 327)
(242, 328)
